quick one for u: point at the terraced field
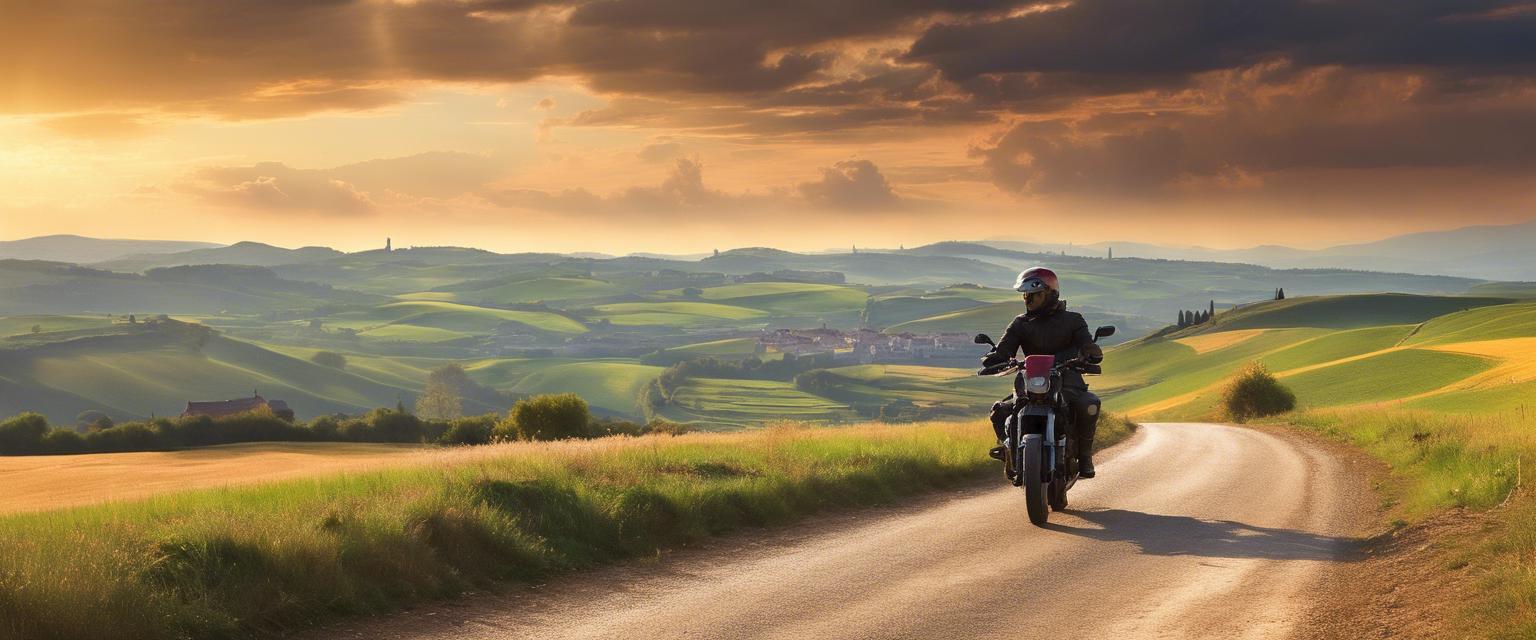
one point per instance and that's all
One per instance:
(1463, 354)
(722, 402)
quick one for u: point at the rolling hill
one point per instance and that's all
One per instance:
(135, 371)
(83, 250)
(1468, 355)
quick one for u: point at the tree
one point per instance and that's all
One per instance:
(550, 417)
(329, 359)
(37, 328)
(440, 401)
(93, 420)
(132, 319)
(1282, 293)
(1183, 321)
(1213, 308)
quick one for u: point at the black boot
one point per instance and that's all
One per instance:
(1085, 450)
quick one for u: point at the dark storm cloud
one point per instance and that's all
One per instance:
(1113, 42)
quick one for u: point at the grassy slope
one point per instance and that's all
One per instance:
(432, 321)
(1449, 402)
(228, 562)
(676, 314)
(140, 376)
(608, 385)
(722, 402)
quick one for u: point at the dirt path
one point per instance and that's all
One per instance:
(1190, 531)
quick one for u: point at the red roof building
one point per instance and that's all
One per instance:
(222, 408)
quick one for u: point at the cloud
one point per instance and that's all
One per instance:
(847, 186)
(851, 185)
(275, 187)
(345, 190)
(660, 151)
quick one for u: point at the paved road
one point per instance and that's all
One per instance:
(1190, 531)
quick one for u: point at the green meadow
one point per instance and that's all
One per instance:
(1441, 389)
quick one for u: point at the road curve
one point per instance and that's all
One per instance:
(1190, 531)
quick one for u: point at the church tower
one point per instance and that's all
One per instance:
(387, 245)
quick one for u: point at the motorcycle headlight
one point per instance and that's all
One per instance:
(1038, 384)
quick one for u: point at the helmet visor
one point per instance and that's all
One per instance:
(1030, 285)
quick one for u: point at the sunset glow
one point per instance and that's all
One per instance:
(682, 125)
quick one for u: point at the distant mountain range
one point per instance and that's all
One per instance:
(1501, 252)
(1490, 252)
(83, 250)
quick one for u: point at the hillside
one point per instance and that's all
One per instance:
(241, 253)
(135, 371)
(35, 287)
(83, 250)
(1414, 352)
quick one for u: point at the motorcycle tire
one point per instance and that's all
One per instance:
(1035, 486)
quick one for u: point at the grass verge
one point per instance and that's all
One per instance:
(1475, 462)
(241, 562)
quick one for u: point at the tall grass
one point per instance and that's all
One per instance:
(237, 562)
(1475, 461)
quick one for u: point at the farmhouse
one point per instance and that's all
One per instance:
(222, 408)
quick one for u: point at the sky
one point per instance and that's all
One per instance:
(686, 125)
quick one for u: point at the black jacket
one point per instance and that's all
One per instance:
(1053, 331)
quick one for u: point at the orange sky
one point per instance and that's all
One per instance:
(685, 125)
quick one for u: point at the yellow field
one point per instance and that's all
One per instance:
(1207, 342)
(36, 483)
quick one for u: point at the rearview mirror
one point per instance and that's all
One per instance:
(982, 338)
(1103, 332)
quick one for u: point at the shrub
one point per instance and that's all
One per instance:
(550, 417)
(23, 434)
(329, 359)
(1255, 393)
(476, 430)
(93, 419)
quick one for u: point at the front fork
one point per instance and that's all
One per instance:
(1055, 445)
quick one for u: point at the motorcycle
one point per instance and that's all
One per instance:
(1040, 445)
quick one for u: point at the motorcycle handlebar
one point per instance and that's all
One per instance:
(1075, 363)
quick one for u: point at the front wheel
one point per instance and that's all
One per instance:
(1035, 487)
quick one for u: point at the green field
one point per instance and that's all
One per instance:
(1327, 349)
(721, 402)
(676, 314)
(529, 290)
(23, 325)
(143, 375)
(610, 386)
(430, 321)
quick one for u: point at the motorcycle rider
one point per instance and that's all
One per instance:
(1047, 328)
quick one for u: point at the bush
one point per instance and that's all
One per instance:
(550, 417)
(329, 359)
(476, 430)
(23, 434)
(1255, 393)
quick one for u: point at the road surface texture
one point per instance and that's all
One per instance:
(1190, 531)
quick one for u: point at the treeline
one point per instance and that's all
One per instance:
(1192, 318)
(545, 417)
